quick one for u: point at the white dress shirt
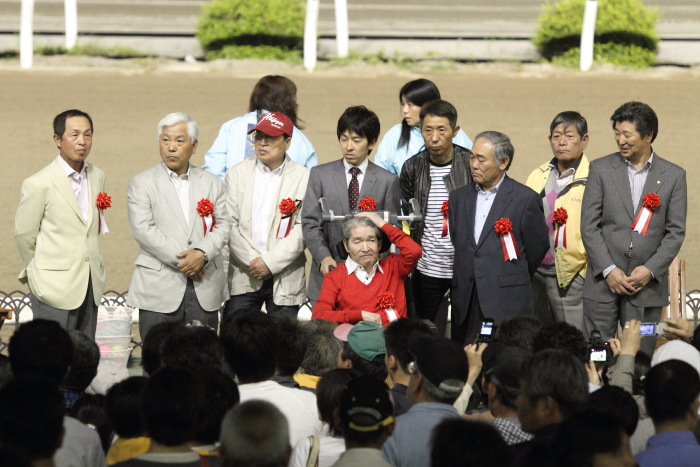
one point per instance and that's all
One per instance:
(359, 271)
(79, 183)
(182, 188)
(484, 201)
(360, 176)
(264, 194)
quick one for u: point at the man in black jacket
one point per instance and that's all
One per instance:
(430, 176)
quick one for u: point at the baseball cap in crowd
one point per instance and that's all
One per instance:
(274, 124)
(365, 405)
(506, 365)
(440, 360)
(365, 338)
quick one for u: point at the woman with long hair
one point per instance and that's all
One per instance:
(404, 139)
(272, 93)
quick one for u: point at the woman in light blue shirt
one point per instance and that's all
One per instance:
(272, 93)
(404, 139)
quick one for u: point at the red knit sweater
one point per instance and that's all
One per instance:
(343, 296)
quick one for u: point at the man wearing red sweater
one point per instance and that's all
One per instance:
(364, 288)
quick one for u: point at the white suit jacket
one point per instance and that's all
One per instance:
(60, 251)
(285, 256)
(159, 227)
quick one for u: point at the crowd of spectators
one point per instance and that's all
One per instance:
(272, 391)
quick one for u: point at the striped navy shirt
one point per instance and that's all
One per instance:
(438, 252)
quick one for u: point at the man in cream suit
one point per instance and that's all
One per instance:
(56, 230)
(178, 217)
(627, 276)
(264, 195)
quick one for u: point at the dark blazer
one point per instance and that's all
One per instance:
(607, 215)
(329, 181)
(503, 287)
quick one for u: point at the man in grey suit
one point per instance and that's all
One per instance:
(178, 217)
(632, 224)
(500, 237)
(344, 183)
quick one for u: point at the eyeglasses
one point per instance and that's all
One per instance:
(412, 368)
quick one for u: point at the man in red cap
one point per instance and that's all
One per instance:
(264, 197)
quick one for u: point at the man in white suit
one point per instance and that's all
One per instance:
(178, 217)
(56, 230)
(264, 195)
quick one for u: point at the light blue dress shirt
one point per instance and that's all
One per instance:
(484, 201)
(234, 144)
(391, 158)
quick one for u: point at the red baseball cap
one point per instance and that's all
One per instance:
(274, 124)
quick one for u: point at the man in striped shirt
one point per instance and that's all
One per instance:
(430, 176)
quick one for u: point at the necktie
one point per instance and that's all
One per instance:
(354, 189)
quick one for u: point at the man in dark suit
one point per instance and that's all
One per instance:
(497, 227)
(632, 224)
(344, 183)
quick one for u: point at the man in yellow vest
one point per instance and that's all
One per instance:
(558, 282)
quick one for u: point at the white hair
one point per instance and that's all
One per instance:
(179, 117)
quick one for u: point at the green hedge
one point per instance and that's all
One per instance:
(269, 29)
(625, 32)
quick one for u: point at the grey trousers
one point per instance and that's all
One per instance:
(188, 310)
(553, 304)
(604, 317)
(83, 318)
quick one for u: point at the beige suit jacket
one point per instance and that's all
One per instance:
(60, 251)
(159, 227)
(285, 256)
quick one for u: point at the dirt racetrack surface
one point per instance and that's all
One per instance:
(126, 99)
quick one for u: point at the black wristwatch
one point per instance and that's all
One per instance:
(206, 257)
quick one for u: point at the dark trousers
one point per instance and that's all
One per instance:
(256, 300)
(83, 318)
(189, 310)
(428, 293)
(467, 331)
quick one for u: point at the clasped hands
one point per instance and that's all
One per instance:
(192, 265)
(622, 284)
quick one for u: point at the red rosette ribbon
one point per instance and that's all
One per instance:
(386, 303)
(288, 207)
(386, 300)
(504, 227)
(205, 208)
(445, 211)
(560, 216)
(104, 201)
(650, 203)
(367, 204)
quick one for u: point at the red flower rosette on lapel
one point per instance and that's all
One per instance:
(287, 207)
(387, 302)
(104, 201)
(650, 204)
(445, 212)
(367, 204)
(504, 227)
(560, 216)
(205, 208)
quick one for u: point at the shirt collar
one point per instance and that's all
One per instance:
(554, 166)
(362, 167)
(69, 170)
(492, 190)
(647, 165)
(352, 266)
(264, 169)
(173, 175)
